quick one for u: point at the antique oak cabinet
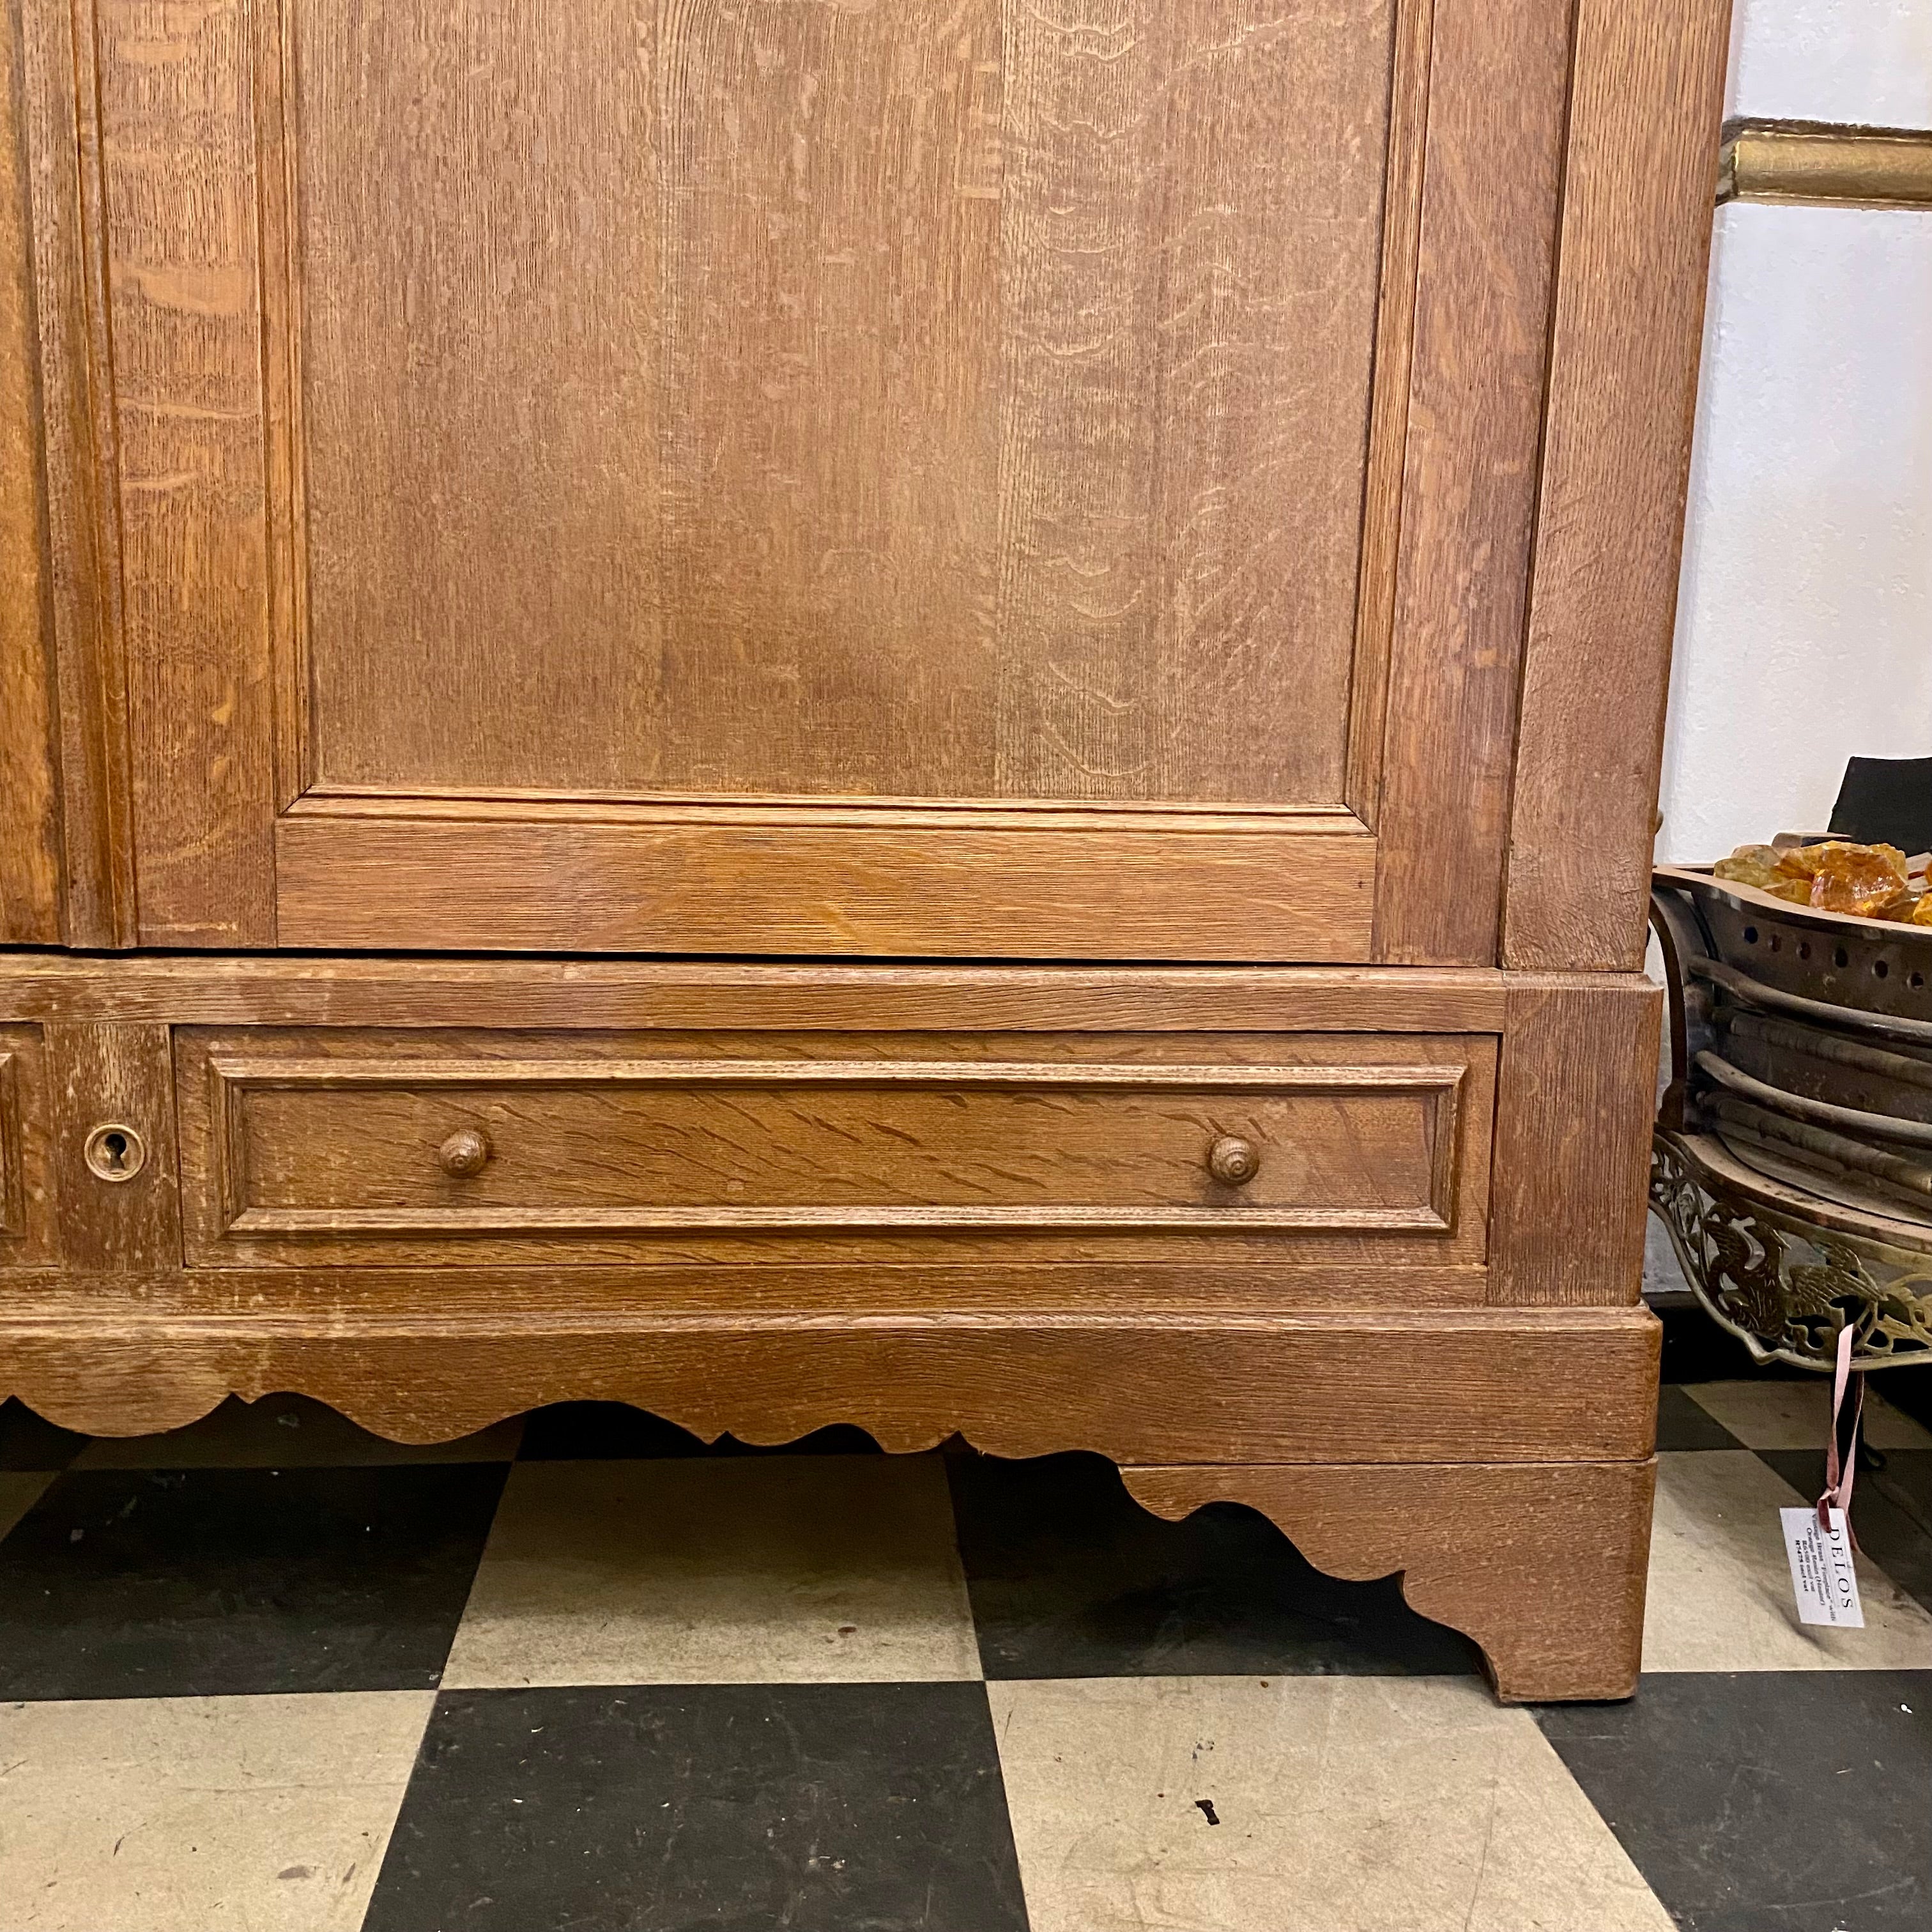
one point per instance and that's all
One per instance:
(935, 712)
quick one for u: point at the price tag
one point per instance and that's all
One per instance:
(1822, 1577)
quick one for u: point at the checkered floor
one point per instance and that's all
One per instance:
(270, 1673)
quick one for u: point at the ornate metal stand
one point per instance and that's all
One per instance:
(1776, 1279)
(1792, 1160)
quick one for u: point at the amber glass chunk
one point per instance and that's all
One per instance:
(1749, 865)
(1859, 879)
(1762, 866)
(1758, 865)
(1835, 875)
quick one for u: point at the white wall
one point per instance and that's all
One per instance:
(1805, 628)
(1868, 62)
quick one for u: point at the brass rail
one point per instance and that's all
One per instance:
(1810, 162)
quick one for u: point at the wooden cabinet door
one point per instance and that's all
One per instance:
(956, 478)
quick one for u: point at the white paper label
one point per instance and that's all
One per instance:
(1822, 1577)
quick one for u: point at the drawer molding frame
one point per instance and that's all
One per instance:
(13, 1137)
(232, 1077)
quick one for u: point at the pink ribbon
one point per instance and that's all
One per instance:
(1838, 1479)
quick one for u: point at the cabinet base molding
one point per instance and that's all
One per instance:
(1500, 1462)
(1475, 1386)
(1541, 1565)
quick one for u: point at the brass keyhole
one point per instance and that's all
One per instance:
(115, 1151)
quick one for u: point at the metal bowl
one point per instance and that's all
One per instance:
(1793, 1159)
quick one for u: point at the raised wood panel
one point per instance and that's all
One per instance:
(355, 877)
(298, 1147)
(830, 525)
(477, 379)
(180, 214)
(1489, 205)
(29, 808)
(1484, 1386)
(899, 402)
(1636, 236)
(1191, 201)
(77, 434)
(325, 1148)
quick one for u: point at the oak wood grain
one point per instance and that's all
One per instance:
(1543, 1565)
(1576, 1096)
(1637, 236)
(453, 885)
(306, 1148)
(29, 782)
(831, 507)
(1482, 1386)
(179, 207)
(1190, 225)
(278, 191)
(900, 402)
(113, 1073)
(299, 990)
(1389, 395)
(480, 362)
(1229, 1279)
(1491, 177)
(27, 1204)
(77, 437)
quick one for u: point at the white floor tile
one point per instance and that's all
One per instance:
(717, 1570)
(1345, 1803)
(200, 1814)
(1798, 1415)
(1719, 1595)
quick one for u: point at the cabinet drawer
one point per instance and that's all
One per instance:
(295, 1145)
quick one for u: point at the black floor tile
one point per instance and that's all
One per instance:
(1069, 1577)
(1909, 1389)
(28, 1442)
(1767, 1800)
(158, 1583)
(1892, 1514)
(818, 1808)
(1696, 1350)
(1681, 1424)
(581, 1431)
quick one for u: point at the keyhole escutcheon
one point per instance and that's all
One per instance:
(115, 1151)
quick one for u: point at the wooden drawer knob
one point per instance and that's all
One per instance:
(465, 1153)
(1231, 1160)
